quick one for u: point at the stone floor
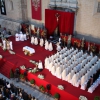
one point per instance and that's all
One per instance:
(30, 90)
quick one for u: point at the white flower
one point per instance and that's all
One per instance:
(22, 67)
(41, 76)
(11, 52)
(60, 87)
(82, 98)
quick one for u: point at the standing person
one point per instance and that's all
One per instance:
(4, 44)
(8, 44)
(11, 46)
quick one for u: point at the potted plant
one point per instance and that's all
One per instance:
(22, 77)
(11, 74)
(32, 82)
(42, 88)
(56, 96)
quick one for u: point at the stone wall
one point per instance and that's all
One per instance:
(87, 20)
(44, 5)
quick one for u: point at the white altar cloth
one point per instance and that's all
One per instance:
(31, 50)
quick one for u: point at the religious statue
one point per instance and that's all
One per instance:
(82, 44)
(88, 47)
(99, 52)
(38, 32)
(64, 41)
(93, 48)
(69, 41)
(56, 32)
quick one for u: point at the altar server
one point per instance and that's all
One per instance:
(17, 37)
(11, 46)
(41, 42)
(46, 45)
(40, 65)
(32, 40)
(4, 44)
(36, 41)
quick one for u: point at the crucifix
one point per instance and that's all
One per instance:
(57, 16)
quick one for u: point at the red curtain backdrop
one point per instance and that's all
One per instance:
(65, 22)
(36, 9)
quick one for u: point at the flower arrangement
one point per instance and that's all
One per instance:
(82, 98)
(60, 87)
(11, 52)
(34, 70)
(41, 76)
(0, 56)
(22, 67)
(33, 62)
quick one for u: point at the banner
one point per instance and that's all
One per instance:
(3, 8)
(36, 9)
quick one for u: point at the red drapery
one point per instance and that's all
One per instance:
(65, 21)
(36, 9)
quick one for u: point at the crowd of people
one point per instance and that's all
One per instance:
(8, 91)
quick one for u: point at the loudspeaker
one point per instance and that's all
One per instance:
(48, 86)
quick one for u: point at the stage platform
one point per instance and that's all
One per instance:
(69, 93)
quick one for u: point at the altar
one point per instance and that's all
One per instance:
(28, 50)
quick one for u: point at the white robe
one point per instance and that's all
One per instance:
(64, 73)
(41, 42)
(11, 46)
(46, 45)
(40, 65)
(4, 44)
(58, 72)
(36, 41)
(32, 40)
(17, 37)
(50, 47)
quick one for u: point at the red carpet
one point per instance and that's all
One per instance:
(13, 61)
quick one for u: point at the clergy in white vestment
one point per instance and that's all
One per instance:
(64, 74)
(50, 46)
(75, 79)
(40, 65)
(70, 75)
(83, 79)
(50, 66)
(36, 41)
(53, 70)
(21, 36)
(41, 42)
(46, 45)
(58, 48)
(4, 44)
(25, 37)
(58, 72)
(32, 40)
(11, 45)
(17, 37)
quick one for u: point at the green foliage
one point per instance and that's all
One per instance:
(11, 74)
(97, 98)
(32, 81)
(22, 76)
(41, 87)
(57, 95)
